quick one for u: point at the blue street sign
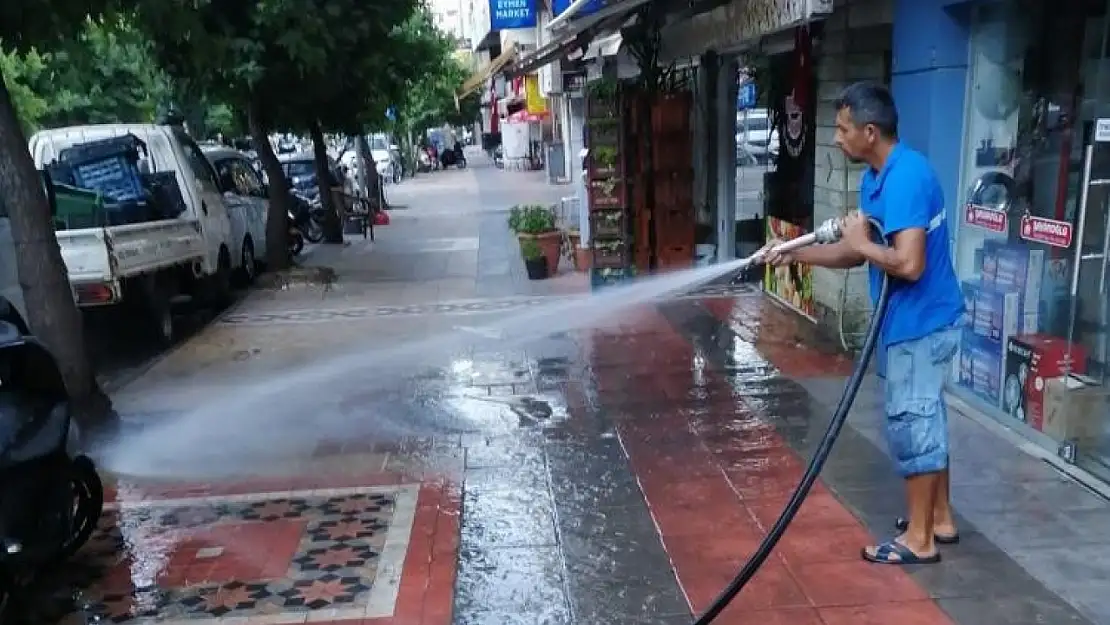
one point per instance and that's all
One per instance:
(746, 98)
(558, 7)
(391, 114)
(510, 14)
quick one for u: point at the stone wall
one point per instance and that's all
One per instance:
(855, 46)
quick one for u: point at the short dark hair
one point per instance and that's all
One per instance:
(870, 103)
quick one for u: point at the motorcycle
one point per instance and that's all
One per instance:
(296, 238)
(51, 496)
(453, 156)
(424, 162)
(307, 216)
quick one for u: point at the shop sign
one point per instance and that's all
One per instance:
(1048, 231)
(746, 98)
(574, 83)
(1102, 130)
(512, 14)
(534, 101)
(558, 7)
(986, 218)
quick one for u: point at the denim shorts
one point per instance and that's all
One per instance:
(916, 417)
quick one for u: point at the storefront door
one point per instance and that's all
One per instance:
(1032, 245)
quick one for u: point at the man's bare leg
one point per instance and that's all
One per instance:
(944, 522)
(921, 496)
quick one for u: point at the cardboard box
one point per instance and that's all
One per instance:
(996, 314)
(1030, 361)
(1076, 408)
(980, 366)
(1017, 268)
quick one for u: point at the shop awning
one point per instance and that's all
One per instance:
(578, 35)
(481, 76)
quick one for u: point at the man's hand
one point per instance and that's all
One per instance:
(856, 231)
(769, 256)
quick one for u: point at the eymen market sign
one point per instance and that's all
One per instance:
(512, 14)
(737, 23)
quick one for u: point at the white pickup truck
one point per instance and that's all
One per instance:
(150, 266)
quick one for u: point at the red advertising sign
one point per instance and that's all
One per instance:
(985, 218)
(1047, 231)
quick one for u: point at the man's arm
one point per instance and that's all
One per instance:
(833, 255)
(905, 259)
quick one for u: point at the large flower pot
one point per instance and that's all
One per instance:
(551, 244)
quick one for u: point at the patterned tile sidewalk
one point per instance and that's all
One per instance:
(374, 549)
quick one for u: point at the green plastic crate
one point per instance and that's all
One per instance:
(77, 208)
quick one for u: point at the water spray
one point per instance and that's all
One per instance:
(828, 232)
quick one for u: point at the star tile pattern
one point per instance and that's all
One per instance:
(312, 556)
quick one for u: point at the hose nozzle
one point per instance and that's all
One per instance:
(829, 231)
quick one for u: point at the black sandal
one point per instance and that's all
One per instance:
(942, 539)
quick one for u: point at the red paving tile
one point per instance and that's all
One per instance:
(784, 339)
(710, 521)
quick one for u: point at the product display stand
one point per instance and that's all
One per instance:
(610, 243)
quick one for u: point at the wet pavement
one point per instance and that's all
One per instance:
(605, 476)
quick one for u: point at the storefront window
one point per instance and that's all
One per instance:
(1032, 353)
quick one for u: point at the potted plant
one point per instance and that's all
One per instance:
(536, 223)
(535, 263)
(604, 159)
(609, 254)
(605, 193)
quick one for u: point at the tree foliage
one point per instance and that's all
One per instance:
(105, 74)
(27, 25)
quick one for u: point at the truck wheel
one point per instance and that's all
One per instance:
(158, 316)
(249, 271)
(221, 281)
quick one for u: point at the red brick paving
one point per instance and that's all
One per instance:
(716, 477)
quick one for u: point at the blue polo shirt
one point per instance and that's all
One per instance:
(906, 194)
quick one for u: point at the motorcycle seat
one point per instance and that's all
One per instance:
(30, 427)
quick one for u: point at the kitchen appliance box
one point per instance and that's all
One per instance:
(1016, 268)
(1030, 361)
(979, 366)
(1076, 408)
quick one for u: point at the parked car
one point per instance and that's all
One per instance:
(387, 157)
(248, 205)
(300, 169)
(755, 137)
(148, 231)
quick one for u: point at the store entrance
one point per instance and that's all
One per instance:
(1034, 236)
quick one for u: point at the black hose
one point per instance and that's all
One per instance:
(840, 415)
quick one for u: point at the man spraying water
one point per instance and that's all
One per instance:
(920, 334)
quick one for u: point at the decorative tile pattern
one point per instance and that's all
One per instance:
(307, 556)
(329, 315)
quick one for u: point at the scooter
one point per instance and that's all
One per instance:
(51, 496)
(307, 216)
(453, 156)
(424, 162)
(296, 238)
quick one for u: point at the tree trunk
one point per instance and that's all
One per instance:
(333, 228)
(374, 185)
(371, 181)
(52, 313)
(277, 224)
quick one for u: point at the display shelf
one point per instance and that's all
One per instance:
(608, 223)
